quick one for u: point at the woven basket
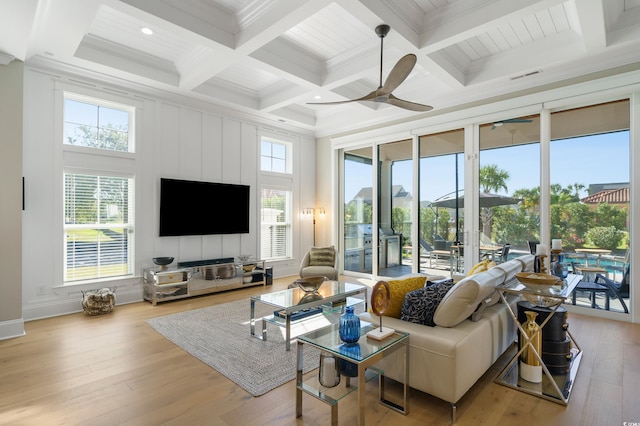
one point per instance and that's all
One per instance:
(98, 302)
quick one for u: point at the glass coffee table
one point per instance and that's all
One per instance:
(362, 355)
(292, 306)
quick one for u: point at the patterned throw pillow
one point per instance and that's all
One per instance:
(420, 305)
(322, 256)
(398, 290)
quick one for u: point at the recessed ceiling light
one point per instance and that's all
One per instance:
(317, 97)
(146, 30)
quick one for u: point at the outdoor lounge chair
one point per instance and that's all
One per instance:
(504, 253)
(608, 288)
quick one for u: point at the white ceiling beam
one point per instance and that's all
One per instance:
(591, 23)
(227, 96)
(102, 52)
(15, 32)
(186, 23)
(60, 25)
(556, 49)
(297, 115)
(276, 20)
(203, 65)
(271, 100)
(461, 21)
(402, 25)
(285, 57)
(443, 69)
(625, 29)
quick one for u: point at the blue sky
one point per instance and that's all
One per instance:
(586, 160)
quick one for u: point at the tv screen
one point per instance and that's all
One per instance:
(202, 208)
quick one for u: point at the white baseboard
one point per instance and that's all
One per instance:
(54, 308)
(12, 328)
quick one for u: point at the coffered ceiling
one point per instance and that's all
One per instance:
(270, 58)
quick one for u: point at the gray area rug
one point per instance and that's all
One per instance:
(220, 337)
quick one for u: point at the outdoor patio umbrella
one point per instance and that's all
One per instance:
(486, 200)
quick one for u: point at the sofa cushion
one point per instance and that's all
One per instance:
(510, 268)
(527, 261)
(398, 289)
(322, 256)
(420, 305)
(465, 297)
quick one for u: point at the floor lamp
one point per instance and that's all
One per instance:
(310, 211)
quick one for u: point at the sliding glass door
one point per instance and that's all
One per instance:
(358, 214)
(395, 199)
(441, 178)
(590, 197)
(509, 187)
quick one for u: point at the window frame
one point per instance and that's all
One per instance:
(101, 103)
(288, 224)
(98, 161)
(127, 227)
(287, 160)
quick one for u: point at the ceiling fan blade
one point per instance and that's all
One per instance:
(399, 73)
(370, 97)
(413, 106)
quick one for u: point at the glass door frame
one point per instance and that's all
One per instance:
(471, 179)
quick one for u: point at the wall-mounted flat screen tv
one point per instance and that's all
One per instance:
(190, 207)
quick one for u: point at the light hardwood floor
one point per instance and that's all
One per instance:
(116, 370)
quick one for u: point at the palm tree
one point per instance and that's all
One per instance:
(492, 179)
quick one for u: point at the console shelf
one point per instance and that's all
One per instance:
(200, 277)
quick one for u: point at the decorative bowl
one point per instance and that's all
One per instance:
(310, 284)
(249, 267)
(162, 261)
(543, 284)
(537, 279)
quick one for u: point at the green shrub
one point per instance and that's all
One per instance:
(607, 237)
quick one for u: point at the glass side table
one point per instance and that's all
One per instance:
(554, 387)
(363, 354)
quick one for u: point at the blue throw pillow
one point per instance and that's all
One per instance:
(420, 305)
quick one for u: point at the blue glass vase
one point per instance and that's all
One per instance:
(560, 269)
(349, 327)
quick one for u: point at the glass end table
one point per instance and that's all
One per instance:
(553, 387)
(363, 354)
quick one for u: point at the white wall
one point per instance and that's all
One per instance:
(176, 137)
(11, 89)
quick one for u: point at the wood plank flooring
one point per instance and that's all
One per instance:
(116, 370)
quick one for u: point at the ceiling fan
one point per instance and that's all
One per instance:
(510, 120)
(398, 74)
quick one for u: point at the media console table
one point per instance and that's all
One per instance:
(201, 277)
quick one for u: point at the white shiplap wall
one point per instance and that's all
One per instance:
(176, 138)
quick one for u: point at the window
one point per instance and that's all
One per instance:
(274, 156)
(275, 223)
(97, 200)
(97, 226)
(96, 125)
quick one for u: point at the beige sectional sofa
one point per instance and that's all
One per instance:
(473, 328)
